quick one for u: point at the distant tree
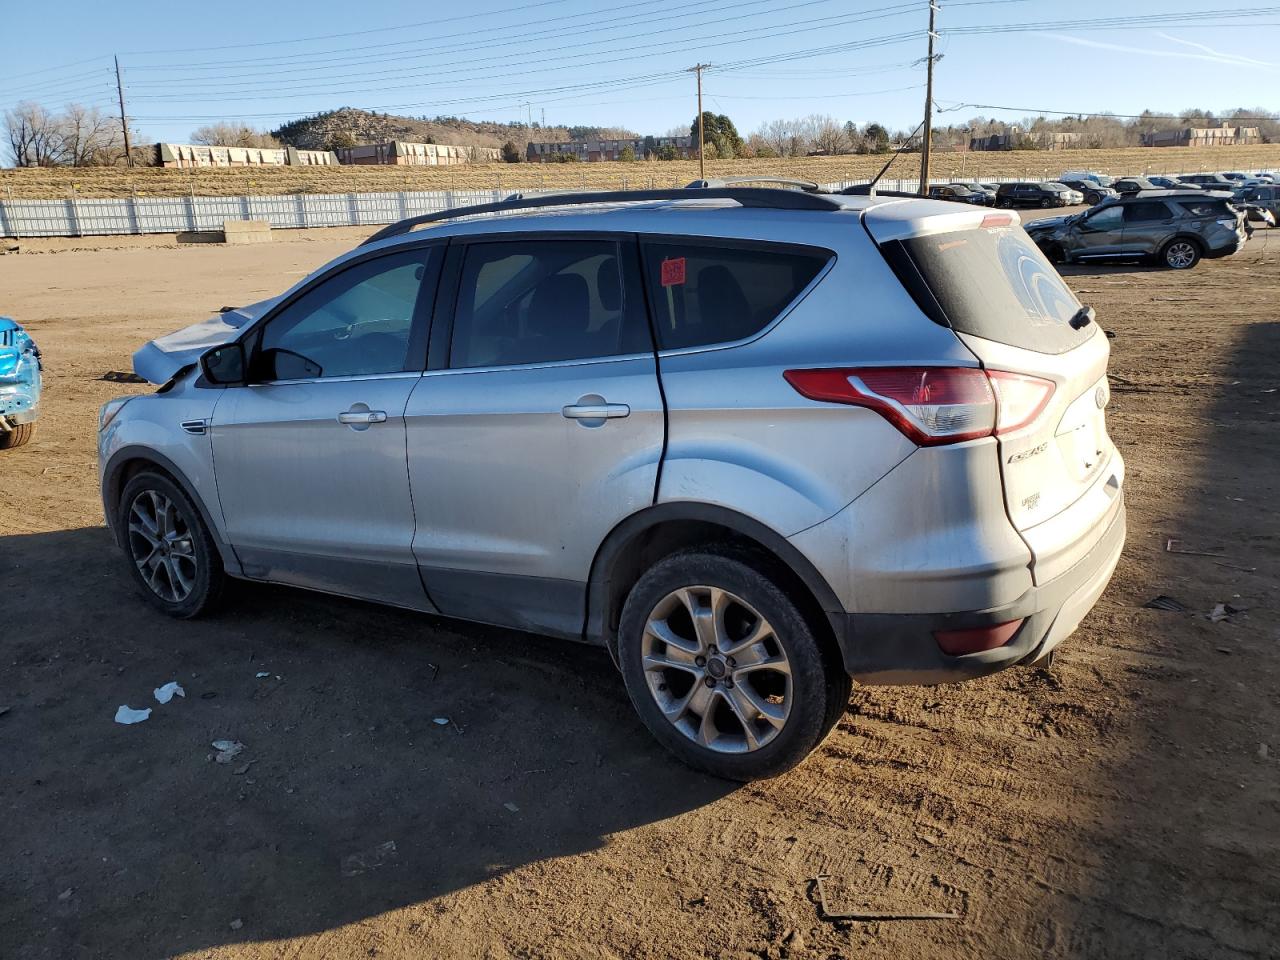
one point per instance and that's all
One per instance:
(877, 138)
(511, 153)
(668, 152)
(233, 135)
(829, 137)
(34, 136)
(627, 155)
(340, 140)
(719, 130)
(90, 137)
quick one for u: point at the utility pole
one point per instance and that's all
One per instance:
(927, 141)
(702, 167)
(124, 120)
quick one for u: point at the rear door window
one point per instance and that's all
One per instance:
(544, 301)
(1145, 212)
(710, 291)
(994, 283)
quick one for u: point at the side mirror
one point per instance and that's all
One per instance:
(225, 365)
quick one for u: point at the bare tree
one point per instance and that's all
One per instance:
(829, 136)
(233, 135)
(34, 136)
(90, 137)
(777, 134)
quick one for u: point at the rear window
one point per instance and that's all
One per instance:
(705, 292)
(995, 284)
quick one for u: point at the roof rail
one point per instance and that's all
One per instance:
(746, 196)
(808, 186)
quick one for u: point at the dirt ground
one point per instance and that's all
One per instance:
(1123, 804)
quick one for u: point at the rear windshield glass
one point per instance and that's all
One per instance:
(995, 284)
(1205, 208)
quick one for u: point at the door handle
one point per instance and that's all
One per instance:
(362, 417)
(595, 411)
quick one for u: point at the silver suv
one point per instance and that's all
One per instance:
(755, 442)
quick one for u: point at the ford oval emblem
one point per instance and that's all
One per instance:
(1100, 397)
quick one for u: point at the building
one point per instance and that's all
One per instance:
(1223, 135)
(200, 155)
(592, 151)
(1056, 140)
(401, 153)
(997, 141)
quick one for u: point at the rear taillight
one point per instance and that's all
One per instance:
(932, 405)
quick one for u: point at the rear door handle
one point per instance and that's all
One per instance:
(362, 417)
(595, 411)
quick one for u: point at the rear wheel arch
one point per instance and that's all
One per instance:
(644, 538)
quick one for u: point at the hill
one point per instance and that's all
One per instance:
(349, 126)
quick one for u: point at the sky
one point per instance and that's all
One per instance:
(623, 62)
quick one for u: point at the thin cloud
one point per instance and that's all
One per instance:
(1213, 57)
(1238, 58)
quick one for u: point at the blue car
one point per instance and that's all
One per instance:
(20, 368)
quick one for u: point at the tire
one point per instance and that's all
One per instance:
(171, 554)
(697, 710)
(1180, 253)
(1093, 199)
(1054, 253)
(1046, 203)
(19, 435)
(1004, 203)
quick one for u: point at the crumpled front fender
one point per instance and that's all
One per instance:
(20, 375)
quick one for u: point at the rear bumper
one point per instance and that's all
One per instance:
(901, 649)
(1229, 248)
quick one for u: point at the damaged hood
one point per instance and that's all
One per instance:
(160, 359)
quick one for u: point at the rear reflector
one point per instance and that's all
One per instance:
(957, 642)
(997, 220)
(932, 405)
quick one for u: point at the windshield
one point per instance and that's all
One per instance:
(995, 283)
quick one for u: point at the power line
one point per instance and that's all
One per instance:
(541, 58)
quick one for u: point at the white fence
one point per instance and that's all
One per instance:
(83, 218)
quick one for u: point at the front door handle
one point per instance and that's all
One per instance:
(362, 418)
(598, 410)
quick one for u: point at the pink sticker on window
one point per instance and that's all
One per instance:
(673, 272)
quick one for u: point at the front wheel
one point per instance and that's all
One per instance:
(1180, 254)
(172, 554)
(1046, 203)
(723, 667)
(1004, 203)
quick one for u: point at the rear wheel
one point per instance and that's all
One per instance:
(724, 668)
(1180, 254)
(16, 437)
(172, 554)
(1046, 203)
(1004, 202)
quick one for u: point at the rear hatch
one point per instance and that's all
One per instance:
(982, 276)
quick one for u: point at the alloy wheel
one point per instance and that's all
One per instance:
(162, 546)
(716, 669)
(1180, 255)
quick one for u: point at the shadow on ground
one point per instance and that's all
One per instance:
(162, 848)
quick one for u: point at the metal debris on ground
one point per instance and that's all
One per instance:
(126, 714)
(357, 863)
(169, 691)
(228, 750)
(117, 376)
(826, 913)
(440, 721)
(1163, 602)
(512, 807)
(1175, 546)
(1223, 611)
(262, 674)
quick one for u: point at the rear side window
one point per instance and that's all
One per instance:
(704, 292)
(1145, 211)
(995, 284)
(543, 301)
(1205, 208)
